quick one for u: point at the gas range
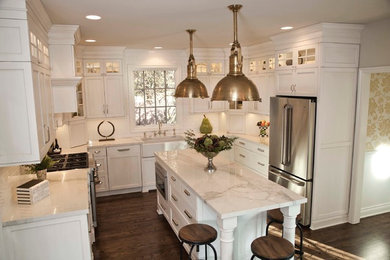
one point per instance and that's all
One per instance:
(69, 161)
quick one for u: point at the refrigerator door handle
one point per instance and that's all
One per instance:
(298, 183)
(286, 134)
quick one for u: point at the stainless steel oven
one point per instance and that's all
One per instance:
(161, 181)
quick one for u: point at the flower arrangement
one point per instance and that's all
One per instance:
(209, 145)
(263, 126)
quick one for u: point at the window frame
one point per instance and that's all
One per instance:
(131, 108)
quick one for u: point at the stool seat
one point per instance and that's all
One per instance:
(277, 215)
(272, 248)
(198, 234)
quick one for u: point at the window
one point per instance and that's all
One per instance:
(154, 100)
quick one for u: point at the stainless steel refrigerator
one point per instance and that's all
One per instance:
(291, 147)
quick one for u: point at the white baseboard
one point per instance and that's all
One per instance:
(328, 222)
(375, 210)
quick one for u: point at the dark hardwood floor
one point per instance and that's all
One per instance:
(129, 228)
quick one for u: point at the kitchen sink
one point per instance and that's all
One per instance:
(162, 138)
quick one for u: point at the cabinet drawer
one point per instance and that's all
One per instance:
(174, 182)
(188, 195)
(260, 164)
(188, 212)
(175, 198)
(254, 147)
(98, 151)
(120, 151)
(103, 186)
(177, 221)
(163, 205)
(242, 156)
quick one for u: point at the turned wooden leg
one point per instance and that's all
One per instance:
(226, 227)
(289, 224)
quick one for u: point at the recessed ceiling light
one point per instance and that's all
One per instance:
(93, 17)
(90, 40)
(158, 47)
(286, 28)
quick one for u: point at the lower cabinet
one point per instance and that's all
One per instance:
(124, 167)
(119, 168)
(252, 155)
(61, 238)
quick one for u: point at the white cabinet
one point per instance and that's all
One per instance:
(265, 83)
(119, 168)
(104, 89)
(124, 167)
(299, 57)
(252, 155)
(27, 126)
(299, 82)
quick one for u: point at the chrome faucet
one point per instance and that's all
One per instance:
(159, 127)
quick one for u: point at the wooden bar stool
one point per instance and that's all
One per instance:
(198, 235)
(276, 216)
(272, 248)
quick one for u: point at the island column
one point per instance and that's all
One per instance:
(289, 223)
(227, 226)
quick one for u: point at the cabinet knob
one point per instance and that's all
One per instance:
(187, 192)
(243, 156)
(123, 150)
(188, 214)
(173, 178)
(260, 150)
(262, 164)
(174, 222)
(173, 197)
(96, 152)
(242, 143)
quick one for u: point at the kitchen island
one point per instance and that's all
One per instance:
(57, 227)
(234, 199)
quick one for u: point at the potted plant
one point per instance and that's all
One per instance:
(40, 169)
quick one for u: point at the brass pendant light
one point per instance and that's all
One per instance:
(191, 87)
(235, 86)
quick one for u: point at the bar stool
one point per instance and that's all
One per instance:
(276, 216)
(272, 248)
(197, 235)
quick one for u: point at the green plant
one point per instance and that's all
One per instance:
(46, 162)
(209, 145)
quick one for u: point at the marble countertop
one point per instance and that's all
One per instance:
(233, 190)
(68, 197)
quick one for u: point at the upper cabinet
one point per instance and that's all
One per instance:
(261, 65)
(300, 57)
(27, 125)
(104, 88)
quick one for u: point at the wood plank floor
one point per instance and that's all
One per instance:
(129, 228)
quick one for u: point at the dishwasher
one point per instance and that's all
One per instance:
(148, 160)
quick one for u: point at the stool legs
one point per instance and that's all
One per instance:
(205, 250)
(300, 251)
(253, 257)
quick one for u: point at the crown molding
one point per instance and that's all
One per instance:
(64, 34)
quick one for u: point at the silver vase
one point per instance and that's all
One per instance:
(41, 175)
(210, 168)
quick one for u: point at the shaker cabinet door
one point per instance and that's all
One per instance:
(94, 87)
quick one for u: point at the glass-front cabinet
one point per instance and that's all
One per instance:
(260, 65)
(210, 67)
(103, 67)
(304, 56)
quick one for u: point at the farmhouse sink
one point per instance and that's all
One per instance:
(162, 138)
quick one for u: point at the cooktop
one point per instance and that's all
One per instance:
(69, 161)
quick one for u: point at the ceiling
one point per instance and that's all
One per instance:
(148, 23)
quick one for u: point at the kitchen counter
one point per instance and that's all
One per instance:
(239, 197)
(68, 196)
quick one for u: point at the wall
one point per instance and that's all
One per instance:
(376, 179)
(375, 42)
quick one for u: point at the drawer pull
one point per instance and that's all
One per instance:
(242, 143)
(187, 192)
(123, 150)
(188, 214)
(174, 222)
(260, 150)
(173, 178)
(96, 152)
(163, 207)
(259, 163)
(173, 197)
(243, 156)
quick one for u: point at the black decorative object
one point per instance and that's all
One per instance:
(106, 137)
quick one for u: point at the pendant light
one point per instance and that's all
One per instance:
(191, 87)
(235, 86)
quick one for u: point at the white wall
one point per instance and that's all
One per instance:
(375, 42)
(376, 188)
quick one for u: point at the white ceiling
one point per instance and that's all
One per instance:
(148, 23)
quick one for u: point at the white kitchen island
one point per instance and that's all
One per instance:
(56, 227)
(234, 199)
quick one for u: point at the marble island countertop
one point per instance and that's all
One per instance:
(68, 197)
(233, 190)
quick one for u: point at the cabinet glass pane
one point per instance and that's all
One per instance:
(252, 66)
(285, 59)
(201, 68)
(93, 67)
(33, 39)
(271, 63)
(216, 67)
(112, 67)
(306, 56)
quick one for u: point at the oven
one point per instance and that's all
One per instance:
(161, 180)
